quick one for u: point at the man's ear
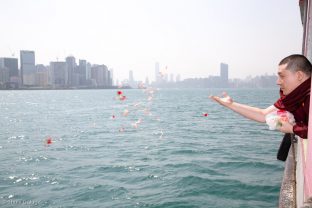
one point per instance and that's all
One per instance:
(300, 75)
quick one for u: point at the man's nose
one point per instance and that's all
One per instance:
(278, 81)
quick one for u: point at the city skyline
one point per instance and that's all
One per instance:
(191, 38)
(69, 74)
(26, 73)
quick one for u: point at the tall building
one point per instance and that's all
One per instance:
(28, 68)
(132, 83)
(59, 73)
(71, 67)
(42, 75)
(112, 75)
(12, 64)
(110, 80)
(101, 76)
(96, 75)
(224, 74)
(9, 70)
(88, 72)
(131, 79)
(4, 73)
(157, 75)
(106, 76)
(82, 70)
(178, 78)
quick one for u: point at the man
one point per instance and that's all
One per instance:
(294, 79)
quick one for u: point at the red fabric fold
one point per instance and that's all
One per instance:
(301, 130)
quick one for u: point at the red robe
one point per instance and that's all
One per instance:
(298, 103)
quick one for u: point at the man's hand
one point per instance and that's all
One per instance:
(253, 113)
(286, 127)
(225, 101)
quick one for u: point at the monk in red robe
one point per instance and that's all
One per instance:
(294, 79)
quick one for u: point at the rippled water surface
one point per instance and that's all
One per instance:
(165, 153)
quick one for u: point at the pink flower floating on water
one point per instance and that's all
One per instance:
(48, 141)
(121, 129)
(150, 98)
(205, 114)
(125, 113)
(136, 124)
(147, 112)
(139, 121)
(120, 95)
(136, 104)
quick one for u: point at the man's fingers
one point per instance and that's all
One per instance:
(215, 98)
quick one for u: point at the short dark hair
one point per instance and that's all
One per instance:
(297, 62)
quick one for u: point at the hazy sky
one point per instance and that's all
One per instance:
(190, 37)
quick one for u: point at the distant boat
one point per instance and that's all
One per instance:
(296, 188)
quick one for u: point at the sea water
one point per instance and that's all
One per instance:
(164, 153)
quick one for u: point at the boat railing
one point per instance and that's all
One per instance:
(295, 186)
(288, 187)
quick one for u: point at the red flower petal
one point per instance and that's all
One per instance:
(49, 140)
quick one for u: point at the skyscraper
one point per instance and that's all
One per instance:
(112, 75)
(101, 75)
(9, 68)
(4, 73)
(157, 76)
(131, 76)
(42, 75)
(224, 74)
(131, 79)
(82, 72)
(59, 73)
(88, 72)
(28, 68)
(71, 67)
(97, 74)
(106, 76)
(110, 80)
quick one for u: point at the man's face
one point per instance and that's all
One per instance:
(287, 80)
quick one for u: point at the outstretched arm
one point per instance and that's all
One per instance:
(253, 113)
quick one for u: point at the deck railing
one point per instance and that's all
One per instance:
(295, 188)
(288, 188)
